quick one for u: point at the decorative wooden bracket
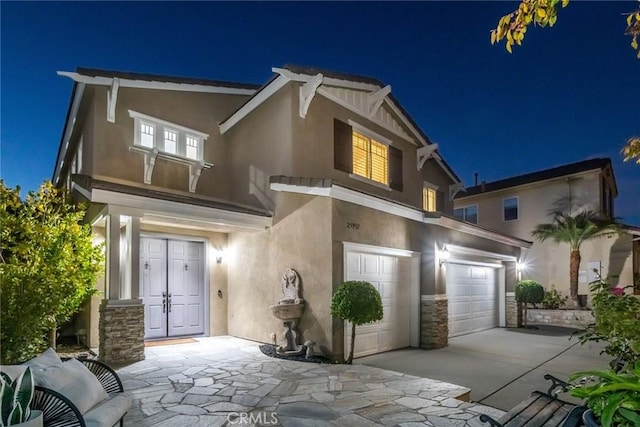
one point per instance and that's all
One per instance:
(194, 174)
(149, 162)
(307, 92)
(455, 189)
(425, 153)
(112, 97)
(376, 99)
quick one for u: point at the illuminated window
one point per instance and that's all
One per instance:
(510, 208)
(167, 137)
(468, 213)
(370, 158)
(192, 147)
(146, 135)
(170, 141)
(428, 199)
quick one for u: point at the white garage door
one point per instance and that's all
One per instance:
(473, 298)
(389, 275)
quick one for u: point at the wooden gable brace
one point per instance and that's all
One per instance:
(112, 97)
(308, 91)
(425, 153)
(376, 99)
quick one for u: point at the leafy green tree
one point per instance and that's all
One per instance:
(48, 267)
(528, 292)
(359, 303)
(632, 149)
(574, 230)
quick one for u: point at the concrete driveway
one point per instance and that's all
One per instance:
(500, 366)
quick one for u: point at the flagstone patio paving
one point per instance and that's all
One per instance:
(221, 381)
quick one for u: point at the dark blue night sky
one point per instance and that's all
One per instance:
(570, 93)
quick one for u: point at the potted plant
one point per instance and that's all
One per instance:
(15, 398)
(613, 398)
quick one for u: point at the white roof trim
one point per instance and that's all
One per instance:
(149, 205)
(68, 129)
(347, 195)
(253, 103)
(151, 84)
(329, 81)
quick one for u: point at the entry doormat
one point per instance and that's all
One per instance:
(169, 342)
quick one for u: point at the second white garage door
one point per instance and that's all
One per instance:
(473, 298)
(389, 275)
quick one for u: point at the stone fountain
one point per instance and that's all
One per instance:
(289, 310)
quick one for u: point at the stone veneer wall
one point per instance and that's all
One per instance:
(121, 332)
(434, 323)
(568, 318)
(512, 313)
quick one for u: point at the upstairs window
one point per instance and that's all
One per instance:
(429, 199)
(510, 208)
(370, 158)
(467, 213)
(364, 154)
(166, 137)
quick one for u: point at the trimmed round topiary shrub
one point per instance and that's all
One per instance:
(529, 292)
(359, 303)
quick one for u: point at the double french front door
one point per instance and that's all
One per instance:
(172, 287)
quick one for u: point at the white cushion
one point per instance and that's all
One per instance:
(75, 382)
(107, 413)
(14, 371)
(44, 360)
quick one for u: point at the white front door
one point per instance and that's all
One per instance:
(172, 281)
(473, 298)
(390, 276)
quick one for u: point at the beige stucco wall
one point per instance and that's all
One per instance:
(548, 262)
(300, 239)
(198, 111)
(259, 147)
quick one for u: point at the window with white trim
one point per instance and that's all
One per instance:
(166, 137)
(370, 158)
(467, 213)
(510, 208)
(429, 199)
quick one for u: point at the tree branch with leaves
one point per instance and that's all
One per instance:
(512, 27)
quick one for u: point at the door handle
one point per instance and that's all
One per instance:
(146, 265)
(169, 302)
(186, 267)
(164, 302)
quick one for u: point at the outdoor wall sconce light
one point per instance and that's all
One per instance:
(218, 254)
(444, 255)
(520, 266)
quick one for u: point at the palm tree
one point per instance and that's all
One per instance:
(575, 230)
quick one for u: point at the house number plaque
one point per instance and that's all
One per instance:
(353, 226)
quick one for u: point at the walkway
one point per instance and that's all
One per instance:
(227, 381)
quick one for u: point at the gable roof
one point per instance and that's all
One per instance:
(543, 175)
(287, 73)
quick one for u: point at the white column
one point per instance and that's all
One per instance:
(133, 242)
(113, 257)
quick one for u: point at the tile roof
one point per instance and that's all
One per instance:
(556, 172)
(94, 72)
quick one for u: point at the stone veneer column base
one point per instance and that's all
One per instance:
(121, 330)
(512, 312)
(434, 322)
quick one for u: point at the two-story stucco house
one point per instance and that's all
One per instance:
(516, 205)
(205, 192)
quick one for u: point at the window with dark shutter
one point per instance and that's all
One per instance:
(395, 168)
(342, 146)
(440, 201)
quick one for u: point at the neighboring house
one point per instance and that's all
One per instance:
(516, 205)
(205, 192)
